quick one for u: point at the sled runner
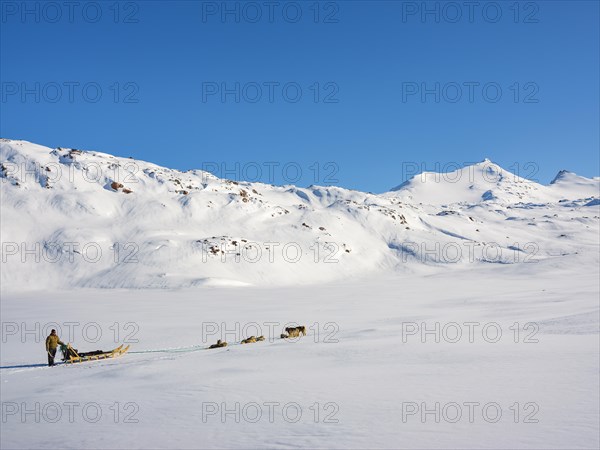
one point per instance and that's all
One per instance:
(70, 355)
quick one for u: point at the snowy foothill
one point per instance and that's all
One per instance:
(455, 311)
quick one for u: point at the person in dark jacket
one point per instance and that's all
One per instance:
(52, 343)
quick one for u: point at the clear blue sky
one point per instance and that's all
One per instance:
(374, 58)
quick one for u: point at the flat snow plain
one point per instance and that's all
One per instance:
(367, 375)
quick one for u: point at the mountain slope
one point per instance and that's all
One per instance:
(570, 185)
(89, 219)
(486, 181)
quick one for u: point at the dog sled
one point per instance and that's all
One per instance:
(71, 355)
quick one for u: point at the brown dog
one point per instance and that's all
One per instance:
(219, 344)
(296, 331)
(292, 332)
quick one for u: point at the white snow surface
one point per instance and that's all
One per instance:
(396, 276)
(64, 226)
(354, 363)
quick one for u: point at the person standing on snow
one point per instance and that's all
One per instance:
(52, 343)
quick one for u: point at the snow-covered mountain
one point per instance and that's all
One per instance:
(486, 181)
(88, 219)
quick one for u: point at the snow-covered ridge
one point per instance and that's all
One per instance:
(486, 181)
(83, 218)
